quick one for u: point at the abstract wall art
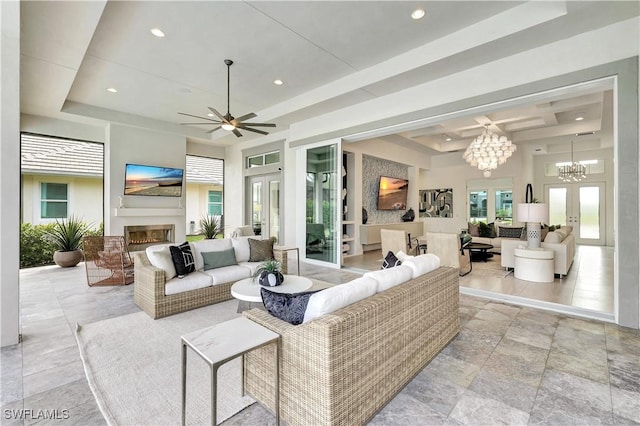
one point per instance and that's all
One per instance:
(436, 202)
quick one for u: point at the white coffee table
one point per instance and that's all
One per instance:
(248, 289)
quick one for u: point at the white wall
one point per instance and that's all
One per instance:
(9, 172)
(126, 144)
(62, 128)
(84, 196)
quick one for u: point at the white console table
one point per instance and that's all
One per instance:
(370, 233)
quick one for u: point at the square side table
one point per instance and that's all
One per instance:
(221, 343)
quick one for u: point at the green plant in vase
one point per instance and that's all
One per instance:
(209, 226)
(66, 236)
(269, 273)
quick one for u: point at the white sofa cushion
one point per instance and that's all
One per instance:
(216, 244)
(241, 247)
(390, 277)
(422, 264)
(554, 237)
(339, 296)
(227, 274)
(402, 256)
(252, 266)
(192, 281)
(160, 257)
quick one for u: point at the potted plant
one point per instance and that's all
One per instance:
(209, 226)
(269, 273)
(66, 237)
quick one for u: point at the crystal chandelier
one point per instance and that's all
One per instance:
(573, 172)
(488, 151)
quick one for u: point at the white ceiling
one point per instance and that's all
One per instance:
(329, 54)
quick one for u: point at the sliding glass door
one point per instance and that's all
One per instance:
(322, 198)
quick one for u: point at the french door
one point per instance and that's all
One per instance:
(580, 205)
(263, 205)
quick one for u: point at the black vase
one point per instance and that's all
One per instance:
(365, 216)
(409, 216)
(270, 279)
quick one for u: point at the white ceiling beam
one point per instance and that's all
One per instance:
(557, 131)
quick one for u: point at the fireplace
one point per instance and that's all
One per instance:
(139, 237)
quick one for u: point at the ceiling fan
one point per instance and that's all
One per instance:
(228, 121)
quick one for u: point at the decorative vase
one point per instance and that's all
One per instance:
(270, 279)
(67, 259)
(365, 216)
(409, 215)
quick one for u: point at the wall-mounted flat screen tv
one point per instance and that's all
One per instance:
(152, 180)
(392, 193)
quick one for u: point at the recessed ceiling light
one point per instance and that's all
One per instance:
(112, 90)
(157, 32)
(448, 139)
(417, 14)
(579, 118)
(209, 115)
(278, 82)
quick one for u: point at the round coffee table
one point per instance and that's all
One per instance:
(248, 289)
(478, 251)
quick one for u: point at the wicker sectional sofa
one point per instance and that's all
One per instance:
(343, 367)
(157, 295)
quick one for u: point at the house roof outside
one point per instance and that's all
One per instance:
(54, 156)
(46, 155)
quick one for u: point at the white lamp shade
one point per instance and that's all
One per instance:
(533, 212)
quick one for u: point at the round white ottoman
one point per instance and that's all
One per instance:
(535, 264)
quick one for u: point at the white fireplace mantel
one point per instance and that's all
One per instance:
(148, 211)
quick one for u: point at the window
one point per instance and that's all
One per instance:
(504, 209)
(263, 159)
(53, 200)
(478, 205)
(214, 204)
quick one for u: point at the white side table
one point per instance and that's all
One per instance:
(223, 342)
(534, 264)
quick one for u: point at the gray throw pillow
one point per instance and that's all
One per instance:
(218, 259)
(285, 306)
(260, 250)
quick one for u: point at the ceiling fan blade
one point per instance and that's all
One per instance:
(237, 133)
(246, 117)
(253, 130)
(215, 122)
(259, 124)
(215, 111)
(214, 129)
(197, 116)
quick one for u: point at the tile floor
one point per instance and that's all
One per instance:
(508, 365)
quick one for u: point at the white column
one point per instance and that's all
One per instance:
(9, 172)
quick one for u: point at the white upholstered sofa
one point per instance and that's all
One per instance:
(562, 242)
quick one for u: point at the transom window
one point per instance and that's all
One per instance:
(53, 200)
(263, 159)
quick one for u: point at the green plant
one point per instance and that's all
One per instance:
(209, 226)
(67, 234)
(268, 266)
(35, 247)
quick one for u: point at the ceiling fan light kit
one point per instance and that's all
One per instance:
(229, 122)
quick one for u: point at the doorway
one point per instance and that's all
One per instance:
(579, 205)
(264, 205)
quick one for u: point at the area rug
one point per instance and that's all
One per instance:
(133, 366)
(490, 268)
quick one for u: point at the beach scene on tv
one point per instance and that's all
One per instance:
(392, 193)
(150, 180)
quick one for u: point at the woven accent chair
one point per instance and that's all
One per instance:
(107, 261)
(448, 248)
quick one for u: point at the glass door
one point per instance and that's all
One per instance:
(264, 205)
(579, 205)
(323, 201)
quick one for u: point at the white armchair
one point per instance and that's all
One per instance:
(448, 248)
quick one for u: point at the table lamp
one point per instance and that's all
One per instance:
(533, 214)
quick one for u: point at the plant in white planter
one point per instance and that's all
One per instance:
(67, 238)
(269, 273)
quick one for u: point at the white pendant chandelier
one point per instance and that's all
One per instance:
(573, 172)
(488, 151)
